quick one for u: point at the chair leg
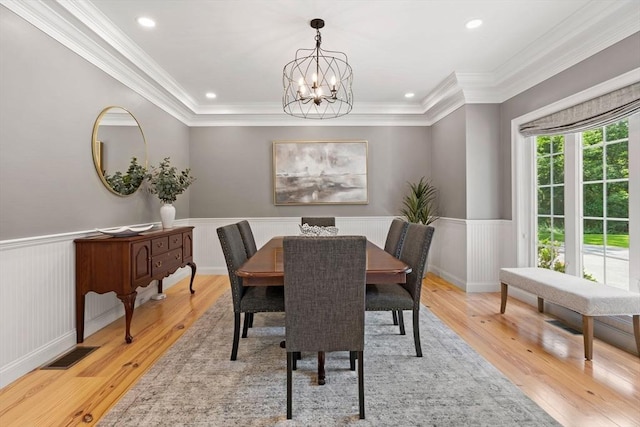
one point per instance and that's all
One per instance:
(352, 360)
(245, 326)
(251, 320)
(236, 335)
(361, 383)
(295, 359)
(395, 317)
(416, 331)
(401, 322)
(290, 362)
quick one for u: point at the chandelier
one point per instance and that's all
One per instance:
(317, 83)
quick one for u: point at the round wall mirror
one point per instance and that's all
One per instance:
(119, 150)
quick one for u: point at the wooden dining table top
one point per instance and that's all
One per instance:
(265, 267)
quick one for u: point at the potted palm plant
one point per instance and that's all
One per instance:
(167, 183)
(421, 203)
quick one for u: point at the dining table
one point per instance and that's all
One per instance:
(266, 268)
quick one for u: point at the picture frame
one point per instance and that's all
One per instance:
(320, 172)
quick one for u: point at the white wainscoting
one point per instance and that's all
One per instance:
(37, 278)
(37, 302)
(470, 253)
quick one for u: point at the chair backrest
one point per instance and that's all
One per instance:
(235, 255)
(327, 221)
(415, 250)
(395, 237)
(247, 238)
(324, 292)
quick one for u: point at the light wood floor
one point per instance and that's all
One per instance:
(545, 361)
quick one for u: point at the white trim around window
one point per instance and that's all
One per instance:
(523, 177)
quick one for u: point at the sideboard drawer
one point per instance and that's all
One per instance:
(159, 245)
(165, 262)
(175, 241)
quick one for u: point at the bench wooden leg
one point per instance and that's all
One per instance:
(503, 297)
(587, 332)
(636, 331)
(541, 305)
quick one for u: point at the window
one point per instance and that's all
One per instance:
(601, 178)
(550, 201)
(605, 203)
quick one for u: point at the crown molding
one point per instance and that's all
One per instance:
(610, 22)
(76, 23)
(47, 17)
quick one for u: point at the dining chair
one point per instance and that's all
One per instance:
(405, 296)
(324, 286)
(393, 246)
(327, 221)
(247, 238)
(246, 299)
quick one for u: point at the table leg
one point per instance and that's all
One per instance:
(321, 373)
(129, 303)
(193, 274)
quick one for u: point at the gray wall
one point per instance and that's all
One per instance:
(483, 161)
(50, 98)
(449, 163)
(605, 65)
(234, 169)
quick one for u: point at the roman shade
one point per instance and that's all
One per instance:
(595, 112)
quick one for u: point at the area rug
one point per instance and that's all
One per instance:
(195, 383)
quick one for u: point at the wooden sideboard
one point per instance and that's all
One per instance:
(121, 264)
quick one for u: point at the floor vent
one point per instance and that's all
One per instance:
(68, 360)
(561, 325)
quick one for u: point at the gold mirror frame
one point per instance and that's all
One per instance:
(97, 146)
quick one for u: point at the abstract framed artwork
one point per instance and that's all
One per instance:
(320, 172)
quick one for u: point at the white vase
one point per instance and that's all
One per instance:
(167, 215)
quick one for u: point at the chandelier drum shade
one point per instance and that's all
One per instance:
(317, 83)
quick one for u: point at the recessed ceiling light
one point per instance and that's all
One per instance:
(146, 22)
(409, 95)
(210, 95)
(474, 23)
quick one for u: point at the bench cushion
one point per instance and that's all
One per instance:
(575, 293)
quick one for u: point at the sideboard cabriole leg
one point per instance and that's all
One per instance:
(79, 317)
(193, 274)
(129, 302)
(159, 286)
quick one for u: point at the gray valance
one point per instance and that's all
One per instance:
(593, 113)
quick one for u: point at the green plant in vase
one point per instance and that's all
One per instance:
(421, 203)
(168, 183)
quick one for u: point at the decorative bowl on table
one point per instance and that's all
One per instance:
(125, 231)
(316, 230)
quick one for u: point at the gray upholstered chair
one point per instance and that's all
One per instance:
(324, 282)
(246, 299)
(393, 246)
(395, 237)
(328, 221)
(247, 238)
(405, 296)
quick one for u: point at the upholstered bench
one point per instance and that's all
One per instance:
(588, 298)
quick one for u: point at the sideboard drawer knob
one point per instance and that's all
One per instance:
(159, 264)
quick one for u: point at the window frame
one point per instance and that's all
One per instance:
(524, 180)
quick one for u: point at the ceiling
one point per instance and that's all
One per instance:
(237, 49)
